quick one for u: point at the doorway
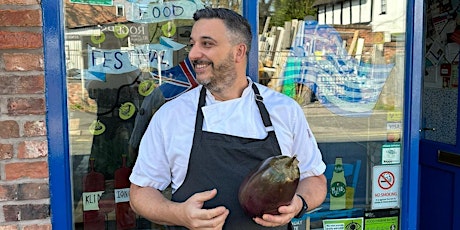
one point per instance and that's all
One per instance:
(439, 150)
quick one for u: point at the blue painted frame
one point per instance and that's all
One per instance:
(56, 119)
(56, 104)
(251, 12)
(412, 113)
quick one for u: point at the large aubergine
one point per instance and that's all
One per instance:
(271, 184)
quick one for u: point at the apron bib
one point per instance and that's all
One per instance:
(222, 161)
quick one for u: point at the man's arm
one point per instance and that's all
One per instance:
(148, 201)
(314, 190)
(152, 205)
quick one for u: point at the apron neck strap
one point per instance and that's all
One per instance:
(259, 101)
(263, 110)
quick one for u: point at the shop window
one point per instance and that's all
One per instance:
(348, 76)
(120, 63)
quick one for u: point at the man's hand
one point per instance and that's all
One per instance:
(195, 217)
(286, 214)
(152, 205)
(313, 189)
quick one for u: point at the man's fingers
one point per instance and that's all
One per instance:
(209, 218)
(269, 220)
(199, 218)
(216, 213)
(204, 196)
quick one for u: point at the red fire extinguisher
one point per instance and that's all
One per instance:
(93, 187)
(126, 218)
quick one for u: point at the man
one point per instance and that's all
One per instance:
(205, 141)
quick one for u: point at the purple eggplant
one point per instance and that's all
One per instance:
(271, 184)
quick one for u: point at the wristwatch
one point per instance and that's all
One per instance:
(304, 207)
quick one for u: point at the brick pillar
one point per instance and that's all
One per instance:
(24, 176)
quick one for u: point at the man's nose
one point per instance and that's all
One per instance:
(194, 53)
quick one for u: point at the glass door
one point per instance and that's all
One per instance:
(439, 149)
(343, 62)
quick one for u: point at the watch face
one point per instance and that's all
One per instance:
(304, 208)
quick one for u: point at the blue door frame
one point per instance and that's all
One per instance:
(412, 113)
(57, 124)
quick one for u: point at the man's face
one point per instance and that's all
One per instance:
(212, 54)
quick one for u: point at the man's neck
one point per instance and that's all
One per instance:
(232, 92)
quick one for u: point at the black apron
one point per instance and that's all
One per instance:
(222, 161)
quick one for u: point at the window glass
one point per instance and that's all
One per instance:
(343, 62)
(124, 59)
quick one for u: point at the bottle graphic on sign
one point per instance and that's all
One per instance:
(93, 188)
(126, 218)
(338, 186)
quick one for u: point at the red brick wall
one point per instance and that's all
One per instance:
(24, 187)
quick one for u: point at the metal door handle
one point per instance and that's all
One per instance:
(427, 129)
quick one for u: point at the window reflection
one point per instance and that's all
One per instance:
(343, 61)
(124, 59)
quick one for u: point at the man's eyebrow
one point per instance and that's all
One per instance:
(202, 38)
(207, 37)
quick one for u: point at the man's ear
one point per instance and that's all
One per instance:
(240, 53)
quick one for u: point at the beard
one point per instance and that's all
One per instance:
(222, 76)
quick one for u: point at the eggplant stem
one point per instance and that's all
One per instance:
(289, 164)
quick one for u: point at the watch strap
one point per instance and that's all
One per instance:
(304, 207)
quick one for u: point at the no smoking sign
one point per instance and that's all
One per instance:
(386, 180)
(386, 186)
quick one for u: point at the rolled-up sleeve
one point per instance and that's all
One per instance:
(305, 146)
(151, 168)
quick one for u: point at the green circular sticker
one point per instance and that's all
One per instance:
(98, 39)
(146, 87)
(121, 30)
(169, 29)
(126, 110)
(338, 189)
(97, 128)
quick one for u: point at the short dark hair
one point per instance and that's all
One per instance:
(234, 22)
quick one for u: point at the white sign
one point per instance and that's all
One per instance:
(339, 226)
(121, 195)
(386, 186)
(91, 200)
(138, 33)
(111, 61)
(153, 55)
(391, 153)
(394, 126)
(151, 12)
(116, 61)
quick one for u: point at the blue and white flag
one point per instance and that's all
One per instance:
(343, 84)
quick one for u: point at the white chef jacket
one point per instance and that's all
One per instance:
(165, 148)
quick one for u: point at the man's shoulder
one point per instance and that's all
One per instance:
(272, 96)
(188, 99)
